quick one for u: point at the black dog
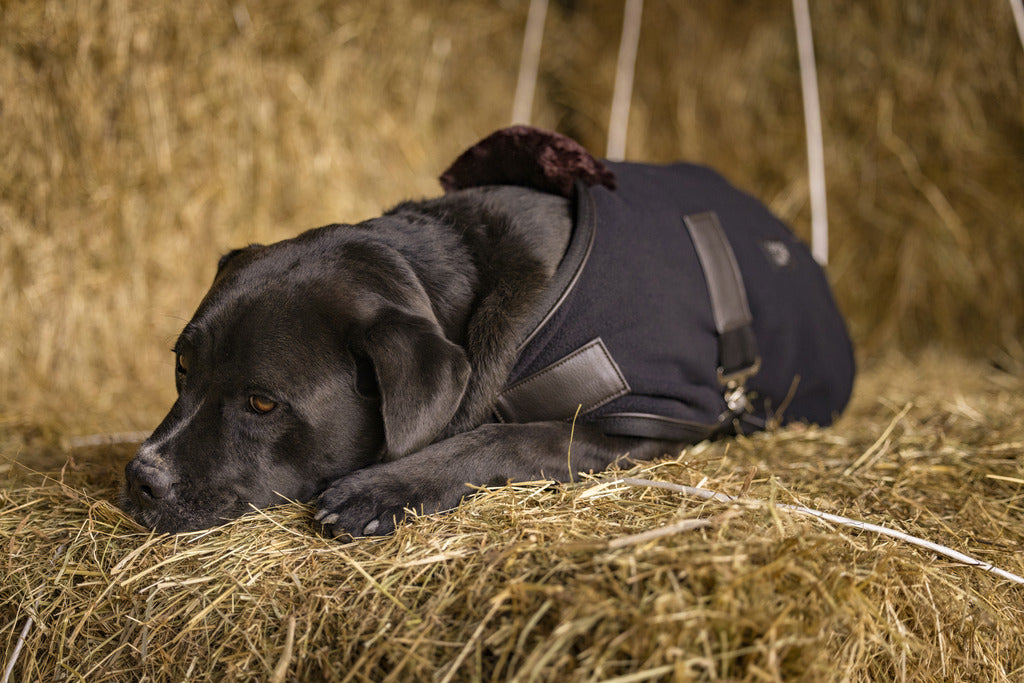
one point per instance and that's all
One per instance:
(388, 365)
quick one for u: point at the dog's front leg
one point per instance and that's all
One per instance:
(371, 501)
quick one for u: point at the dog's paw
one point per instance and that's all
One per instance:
(364, 503)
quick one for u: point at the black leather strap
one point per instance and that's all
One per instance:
(584, 380)
(646, 426)
(737, 346)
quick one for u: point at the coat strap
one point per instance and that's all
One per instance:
(737, 346)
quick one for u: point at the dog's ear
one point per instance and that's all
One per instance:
(421, 377)
(232, 256)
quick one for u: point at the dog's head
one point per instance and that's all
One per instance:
(306, 360)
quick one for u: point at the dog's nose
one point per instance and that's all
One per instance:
(148, 482)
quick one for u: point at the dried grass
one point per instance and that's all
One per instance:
(140, 141)
(539, 582)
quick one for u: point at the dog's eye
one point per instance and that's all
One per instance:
(261, 404)
(180, 364)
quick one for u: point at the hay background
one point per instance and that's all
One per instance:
(139, 141)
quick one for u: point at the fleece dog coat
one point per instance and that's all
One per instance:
(682, 309)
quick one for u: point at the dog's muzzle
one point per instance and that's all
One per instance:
(148, 481)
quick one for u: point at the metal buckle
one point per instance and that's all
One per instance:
(735, 386)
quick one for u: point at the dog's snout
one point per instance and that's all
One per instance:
(148, 482)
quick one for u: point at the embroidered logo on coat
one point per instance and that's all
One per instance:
(778, 253)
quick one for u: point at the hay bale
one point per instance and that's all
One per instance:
(142, 141)
(543, 582)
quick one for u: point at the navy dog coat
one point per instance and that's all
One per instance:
(682, 309)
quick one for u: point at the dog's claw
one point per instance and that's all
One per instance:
(368, 502)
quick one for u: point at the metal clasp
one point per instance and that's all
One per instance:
(736, 399)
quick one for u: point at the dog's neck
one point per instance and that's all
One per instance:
(500, 232)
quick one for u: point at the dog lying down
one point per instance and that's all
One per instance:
(460, 341)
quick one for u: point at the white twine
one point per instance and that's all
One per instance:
(29, 622)
(705, 494)
(624, 71)
(1018, 18)
(107, 439)
(17, 649)
(529, 62)
(812, 122)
